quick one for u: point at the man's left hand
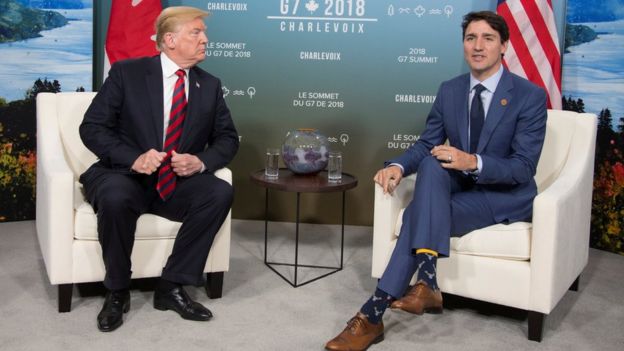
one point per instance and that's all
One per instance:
(185, 165)
(453, 158)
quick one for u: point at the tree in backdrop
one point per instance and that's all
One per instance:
(17, 153)
(607, 221)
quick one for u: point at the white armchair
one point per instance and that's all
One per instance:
(66, 224)
(529, 266)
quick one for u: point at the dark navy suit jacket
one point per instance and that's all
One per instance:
(125, 119)
(510, 143)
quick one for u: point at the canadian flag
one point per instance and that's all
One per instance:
(131, 31)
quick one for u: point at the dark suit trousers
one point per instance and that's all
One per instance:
(201, 202)
(446, 203)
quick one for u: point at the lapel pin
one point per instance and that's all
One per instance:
(197, 84)
(504, 102)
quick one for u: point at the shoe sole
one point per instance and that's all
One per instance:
(163, 307)
(430, 310)
(377, 340)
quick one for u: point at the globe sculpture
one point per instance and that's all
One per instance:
(305, 151)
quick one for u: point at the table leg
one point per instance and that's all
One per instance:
(342, 234)
(296, 265)
(297, 239)
(266, 222)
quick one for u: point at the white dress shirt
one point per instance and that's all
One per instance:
(169, 69)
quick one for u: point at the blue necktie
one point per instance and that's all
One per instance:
(477, 117)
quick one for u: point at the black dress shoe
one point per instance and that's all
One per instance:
(178, 300)
(116, 303)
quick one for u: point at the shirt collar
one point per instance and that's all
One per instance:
(169, 68)
(490, 83)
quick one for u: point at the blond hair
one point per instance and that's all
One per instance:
(171, 18)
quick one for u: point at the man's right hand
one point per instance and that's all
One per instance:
(148, 162)
(389, 178)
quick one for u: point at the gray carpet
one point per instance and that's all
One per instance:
(260, 311)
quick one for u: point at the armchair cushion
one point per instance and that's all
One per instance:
(511, 241)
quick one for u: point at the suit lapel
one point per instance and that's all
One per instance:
(194, 98)
(462, 91)
(154, 82)
(501, 99)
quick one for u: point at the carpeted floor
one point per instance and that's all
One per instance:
(260, 311)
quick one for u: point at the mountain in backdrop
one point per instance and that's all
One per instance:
(595, 10)
(577, 34)
(18, 22)
(56, 4)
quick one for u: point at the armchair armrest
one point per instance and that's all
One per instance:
(225, 174)
(55, 187)
(386, 213)
(561, 220)
(219, 257)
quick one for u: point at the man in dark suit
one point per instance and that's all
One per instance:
(160, 128)
(495, 123)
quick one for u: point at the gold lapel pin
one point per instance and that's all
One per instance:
(504, 102)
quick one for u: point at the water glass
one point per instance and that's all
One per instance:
(271, 165)
(334, 166)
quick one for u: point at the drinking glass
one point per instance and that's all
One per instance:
(271, 165)
(334, 166)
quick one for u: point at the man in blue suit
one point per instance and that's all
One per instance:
(160, 128)
(495, 123)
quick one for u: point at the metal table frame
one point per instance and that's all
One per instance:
(289, 182)
(295, 284)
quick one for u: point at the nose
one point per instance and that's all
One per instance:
(203, 38)
(478, 44)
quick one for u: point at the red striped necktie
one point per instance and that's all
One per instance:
(166, 178)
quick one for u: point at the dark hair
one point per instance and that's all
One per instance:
(495, 21)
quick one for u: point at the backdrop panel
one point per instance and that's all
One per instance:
(45, 46)
(364, 73)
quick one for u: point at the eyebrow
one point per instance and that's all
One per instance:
(486, 35)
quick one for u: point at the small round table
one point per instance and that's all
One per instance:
(290, 182)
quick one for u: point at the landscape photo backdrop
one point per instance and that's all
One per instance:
(593, 82)
(45, 45)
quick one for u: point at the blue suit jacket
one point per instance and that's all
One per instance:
(510, 143)
(125, 119)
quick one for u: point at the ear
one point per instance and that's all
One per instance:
(169, 40)
(504, 47)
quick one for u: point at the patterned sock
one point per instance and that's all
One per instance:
(375, 307)
(426, 261)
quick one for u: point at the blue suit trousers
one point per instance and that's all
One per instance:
(446, 203)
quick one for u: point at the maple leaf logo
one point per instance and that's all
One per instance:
(311, 6)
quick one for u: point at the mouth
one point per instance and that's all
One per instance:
(478, 58)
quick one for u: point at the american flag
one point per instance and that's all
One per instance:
(533, 50)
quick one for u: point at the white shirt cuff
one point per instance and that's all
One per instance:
(398, 165)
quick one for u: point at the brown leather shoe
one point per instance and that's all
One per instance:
(357, 336)
(420, 299)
